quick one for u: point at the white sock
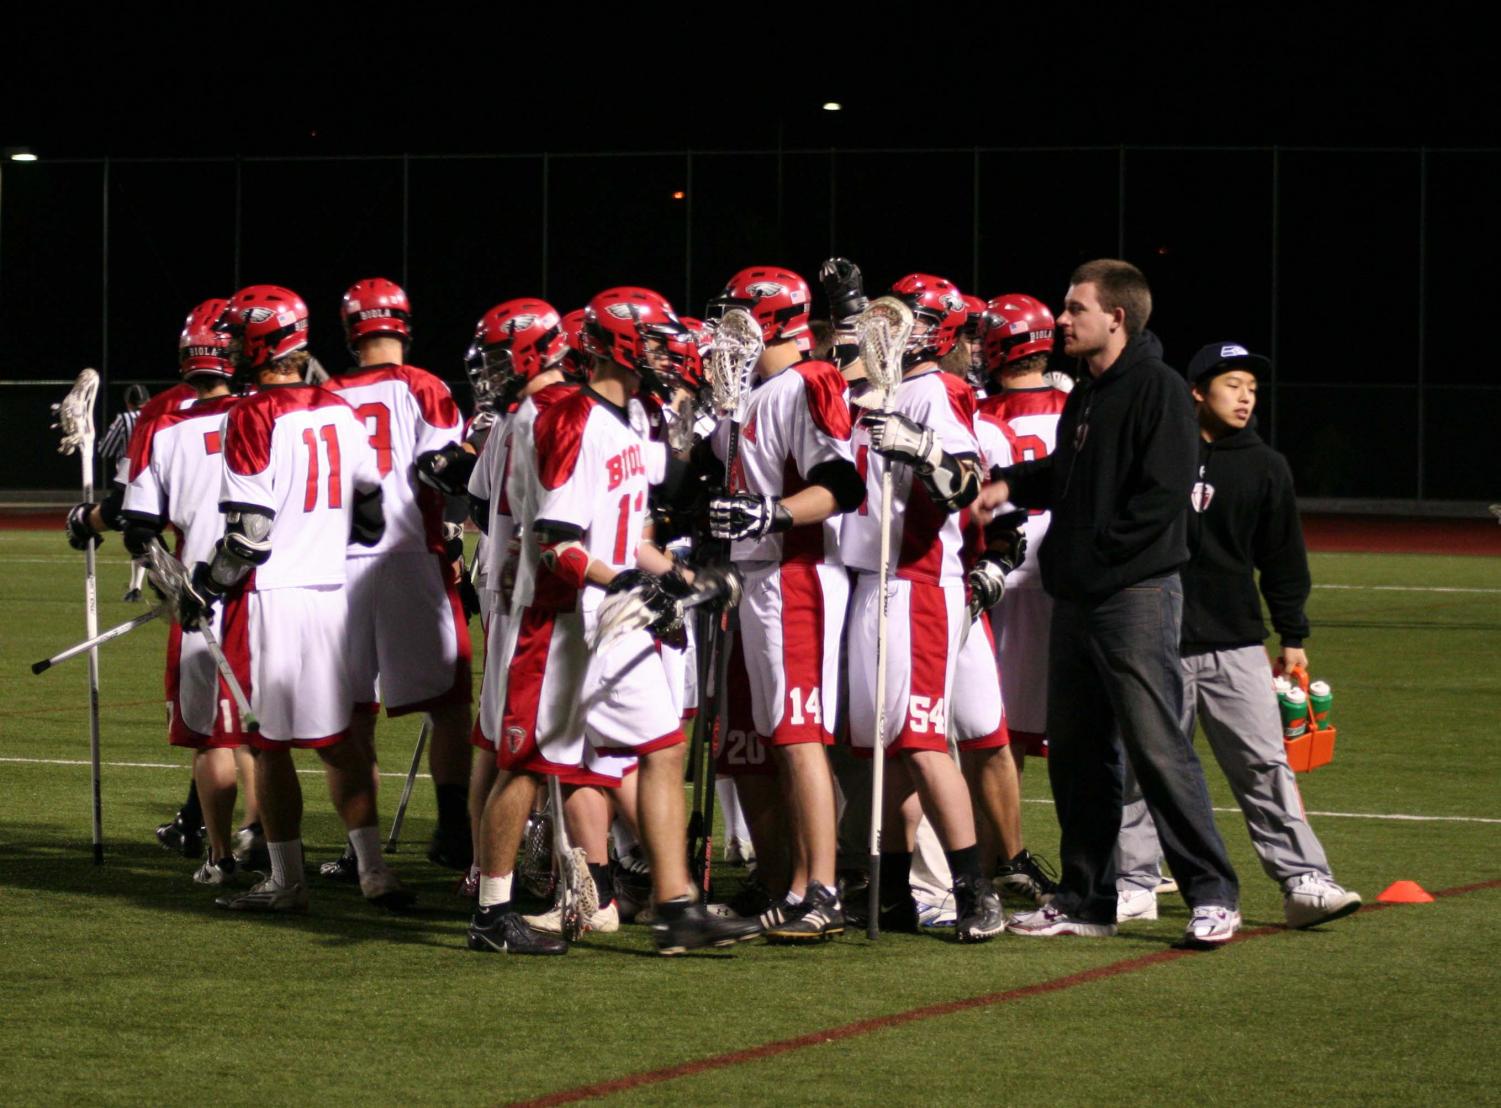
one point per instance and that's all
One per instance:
(286, 862)
(494, 890)
(366, 843)
(792, 899)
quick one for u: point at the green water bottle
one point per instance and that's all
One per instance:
(1294, 705)
(1322, 701)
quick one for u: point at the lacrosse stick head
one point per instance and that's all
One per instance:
(736, 349)
(534, 869)
(884, 329)
(166, 573)
(74, 414)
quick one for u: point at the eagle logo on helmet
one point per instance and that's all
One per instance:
(623, 310)
(762, 289)
(259, 315)
(953, 302)
(521, 323)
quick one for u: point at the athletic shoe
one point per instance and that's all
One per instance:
(468, 886)
(632, 880)
(821, 917)
(695, 927)
(249, 846)
(604, 920)
(936, 915)
(1135, 903)
(902, 916)
(781, 914)
(752, 900)
(979, 917)
(132, 596)
(216, 873)
(507, 933)
(1165, 885)
(1210, 926)
(1029, 877)
(739, 852)
(1314, 899)
(1048, 921)
(346, 867)
(451, 849)
(267, 896)
(384, 889)
(179, 838)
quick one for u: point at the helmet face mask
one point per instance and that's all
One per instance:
(513, 343)
(669, 361)
(938, 312)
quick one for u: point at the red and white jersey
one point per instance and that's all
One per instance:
(1032, 416)
(520, 486)
(926, 541)
(300, 453)
(180, 395)
(406, 411)
(175, 472)
(593, 471)
(794, 421)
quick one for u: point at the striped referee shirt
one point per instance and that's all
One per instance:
(117, 439)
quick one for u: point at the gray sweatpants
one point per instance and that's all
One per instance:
(1231, 692)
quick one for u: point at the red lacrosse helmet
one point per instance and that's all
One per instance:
(635, 328)
(265, 323)
(777, 298)
(1016, 326)
(938, 303)
(202, 350)
(575, 361)
(375, 306)
(513, 342)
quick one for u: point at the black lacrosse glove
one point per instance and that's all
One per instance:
(1005, 540)
(844, 287)
(666, 611)
(195, 605)
(79, 530)
(746, 516)
(987, 584)
(446, 470)
(721, 584)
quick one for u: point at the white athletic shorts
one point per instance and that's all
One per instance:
(492, 690)
(201, 713)
(922, 647)
(790, 622)
(976, 712)
(1024, 616)
(408, 639)
(555, 699)
(682, 673)
(299, 681)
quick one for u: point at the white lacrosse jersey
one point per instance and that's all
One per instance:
(593, 473)
(794, 421)
(406, 411)
(1032, 417)
(521, 487)
(300, 453)
(175, 471)
(180, 395)
(487, 483)
(927, 543)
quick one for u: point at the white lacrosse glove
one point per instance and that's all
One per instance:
(898, 438)
(987, 584)
(746, 516)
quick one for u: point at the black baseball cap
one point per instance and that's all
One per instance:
(1217, 357)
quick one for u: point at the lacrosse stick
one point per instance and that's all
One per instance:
(171, 579)
(98, 640)
(75, 419)
(578, 899)
(884, 328)
(406, 790)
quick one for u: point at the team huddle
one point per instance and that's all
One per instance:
(723, 528)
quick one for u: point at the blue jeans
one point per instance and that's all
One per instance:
(1115, 690)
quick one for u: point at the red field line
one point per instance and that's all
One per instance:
(1346, 534)
(897, 1019)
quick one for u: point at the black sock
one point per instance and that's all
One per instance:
(493, 912)
(192, 812)
(603, 884)
(965, 863)
(896, 876)
(674, 908)
(453, 809)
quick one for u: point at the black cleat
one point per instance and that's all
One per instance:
(900, 917)
(178, 837)
(693, 927)
(132, 596)
(821, 917)
(450, 849)
(979, 917)
(346, 867)
(508, 933)
(1029, 877)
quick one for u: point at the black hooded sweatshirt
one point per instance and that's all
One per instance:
(1119, 479)
(1245, 519)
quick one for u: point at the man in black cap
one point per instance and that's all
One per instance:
(1118, 485)
(1244, 521)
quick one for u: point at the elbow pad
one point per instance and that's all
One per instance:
(843, 480)
(139, 533)
(479, 511)
(367, 523)
(245, 545)
(447, 470)
(110, 506)
(953, 483)
(567, 560)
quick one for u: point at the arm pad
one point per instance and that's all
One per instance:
(953, 483)
(367, 523)
(109, 507)
(843, 480)
(245, 545)
(139, 532)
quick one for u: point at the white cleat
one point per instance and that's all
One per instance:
(1211, 925)
(1135, 903)
(1314, 899)
(267, 896)
(1048, 922)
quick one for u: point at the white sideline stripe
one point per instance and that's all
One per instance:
(61, 559)
(1405, 588)
(1029, 800)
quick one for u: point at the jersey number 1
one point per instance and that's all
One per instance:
(330, 437)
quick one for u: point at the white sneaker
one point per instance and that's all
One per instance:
(382, 887)
(1165, 885)
(216, 873)
(1048, 921)
(1210, 926)
(1135, 903)
(1314, 899)
(937, 915)
(605, 920)
(267, 896)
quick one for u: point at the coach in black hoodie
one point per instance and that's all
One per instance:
(1118, 486)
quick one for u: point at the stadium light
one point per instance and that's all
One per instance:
(833, 106)
(20, 154)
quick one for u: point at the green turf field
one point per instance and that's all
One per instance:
(124, 984)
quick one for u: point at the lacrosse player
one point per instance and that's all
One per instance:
(592, 474)
(793, 475)
(929, 440)
(299, 478)
(173, 476)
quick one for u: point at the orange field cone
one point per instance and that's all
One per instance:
(1405, 892)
